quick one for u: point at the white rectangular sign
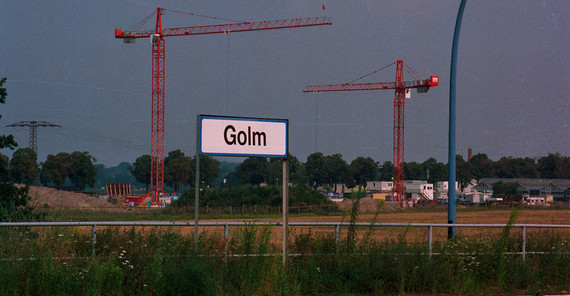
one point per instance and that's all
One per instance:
(241, 136)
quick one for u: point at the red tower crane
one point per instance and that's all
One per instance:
(401, 91)
(158, 73)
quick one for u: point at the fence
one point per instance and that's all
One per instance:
(230, 210)
(258, 209)
(337, 225)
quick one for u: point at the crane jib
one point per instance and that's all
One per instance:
(227, 28)
(423, 84)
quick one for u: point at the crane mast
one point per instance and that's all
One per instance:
(400, 86)
(158, 75)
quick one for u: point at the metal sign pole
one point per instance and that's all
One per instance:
(285, 209)
(197, 184)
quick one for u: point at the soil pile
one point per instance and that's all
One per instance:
(53, 198)
(368, 204)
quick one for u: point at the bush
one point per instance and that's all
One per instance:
(249, 195)
(14, 204)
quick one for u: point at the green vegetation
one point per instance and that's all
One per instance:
(163, 261)
(6, 141)
(506, 191)
(24, 166)
(77, 167)
(14, 204)
(13, 199)
(249, 195)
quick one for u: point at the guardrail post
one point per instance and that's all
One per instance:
(523, 232)
(336, 234)
(430, 231)
(94, 240)
(226, 235)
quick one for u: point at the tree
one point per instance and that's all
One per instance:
(337, 171)
(437, 170)
(274, 171)
(315, 169)
(297, 172)
(554, 166)
(209, 170)
(13, 199)
(515, 167)
(253, 170)
(83, 173)
(56, 169)
(414, 171)
(4, 163)
(364, 169)
(177, 169)
(141, 169)
(463, 171)
(5, 141)
(506, 191)
(386, 171)
(24, 166)
(481, 166)
(14, 204)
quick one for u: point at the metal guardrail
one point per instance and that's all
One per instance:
(336, 225)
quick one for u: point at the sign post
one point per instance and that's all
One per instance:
(285, 209)
(197, 185)
(245, 137)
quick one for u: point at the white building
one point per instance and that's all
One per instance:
(443, 189)
(476, 197)
(419, 190)
(379, 186)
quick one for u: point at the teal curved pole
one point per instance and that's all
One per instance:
(451, 206)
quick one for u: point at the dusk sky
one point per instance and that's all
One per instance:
(64, 66)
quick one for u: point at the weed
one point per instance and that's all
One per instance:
(159, 261)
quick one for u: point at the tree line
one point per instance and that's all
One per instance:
(319, 170)
(329, 170)
(76, 167)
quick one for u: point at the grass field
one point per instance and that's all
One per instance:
(365, 261)
(419, 215)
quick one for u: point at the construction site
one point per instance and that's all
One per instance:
(268, 81)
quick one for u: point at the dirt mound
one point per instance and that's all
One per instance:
(367, 204)
(42, 196)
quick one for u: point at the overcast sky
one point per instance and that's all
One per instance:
(64, 66)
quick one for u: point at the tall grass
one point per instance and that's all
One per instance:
(162, 261)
